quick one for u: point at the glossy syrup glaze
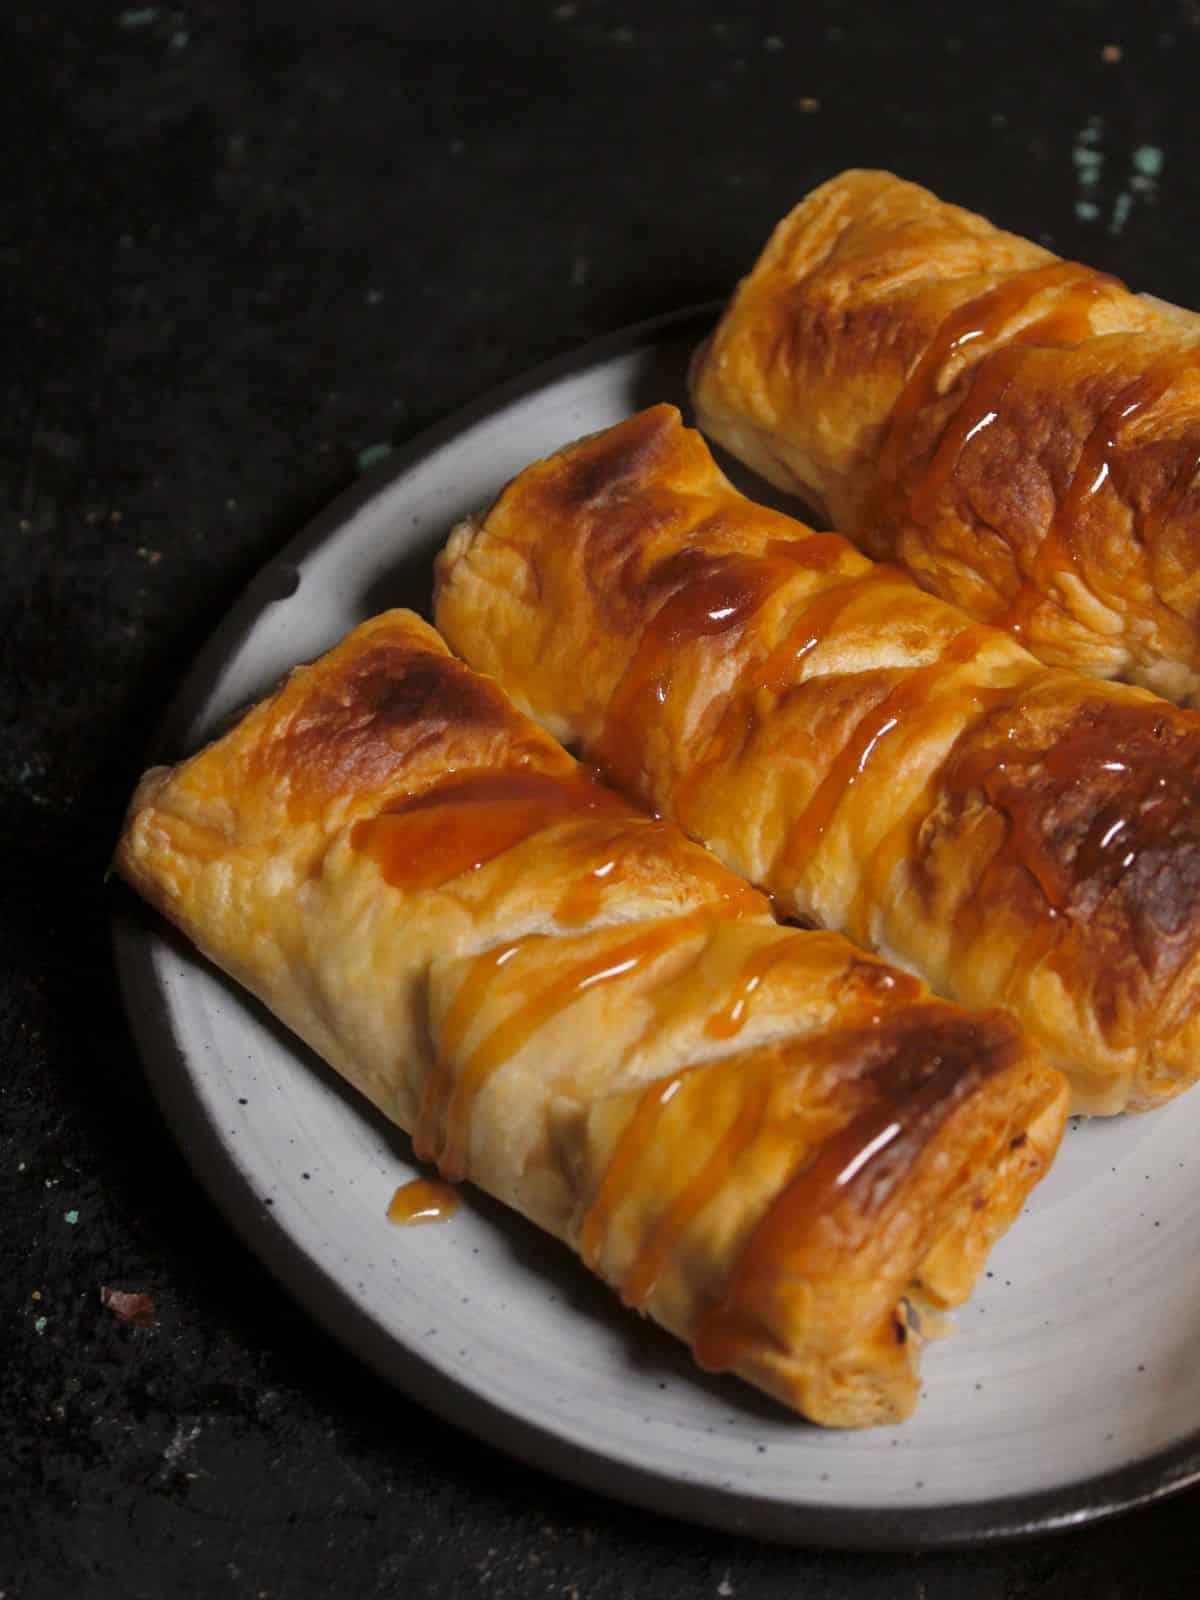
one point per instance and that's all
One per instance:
(643, 1274)
(443, 1123)
(916, 1064)
(775, 673)
(694, 1099)
(731, 1017)
(697, 1088)
(622, 1169)
(1093, 473)
(983, 405)
(585, 892)
(424, 840)
(982, 320)
(1116, 784)
(708, 601)
(459, 825)
(893, 714)
(923, 1076)
(1095, 836)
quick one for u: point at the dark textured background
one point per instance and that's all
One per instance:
(242, 244)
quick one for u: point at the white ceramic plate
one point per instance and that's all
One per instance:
(1071, 1388)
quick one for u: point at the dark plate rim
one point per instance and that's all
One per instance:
(302, 1276)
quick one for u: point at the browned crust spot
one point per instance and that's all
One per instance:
(369, 717)
(1105, 810)
(620, 458)
(921, 1063)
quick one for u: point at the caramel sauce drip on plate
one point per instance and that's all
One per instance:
(422, 1200)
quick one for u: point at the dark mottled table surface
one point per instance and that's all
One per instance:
(243, 246)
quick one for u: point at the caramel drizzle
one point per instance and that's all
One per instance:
(982, 769)
(1152, 795)
(775, 673)
(450, 1092)
(982, 406)
(1048, 926)
(985, 317)
(439, 1085)
(422, 1200)
(642, 1276)
(884, 990)
(868, 1158)
(818, 552)
(640, 1132)
(424, 840)
(874, 884)
(729, 1021)
(894, 712)
(707, 604)
(1093, 470)
(716, 598)
(659, 841)
(624, 1162)
(620, 1175)
(582, 899)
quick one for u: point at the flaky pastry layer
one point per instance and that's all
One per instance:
(761, 1137)
(1021, 433)
(1017, 835)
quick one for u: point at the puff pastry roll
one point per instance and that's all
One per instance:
(1017, 835)
(1021, 433)
(768, 1141)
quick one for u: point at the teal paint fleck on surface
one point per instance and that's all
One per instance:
(1121, 212)
(372, 455)
(40, 1325)
(1088, 162)
(1148, 160)
(71, 1216)
(142, 17)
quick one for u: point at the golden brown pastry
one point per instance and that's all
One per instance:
(768, 1141)
(1021, 433)
(1016, 834)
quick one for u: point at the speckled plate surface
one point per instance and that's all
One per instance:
(1071, 1388)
